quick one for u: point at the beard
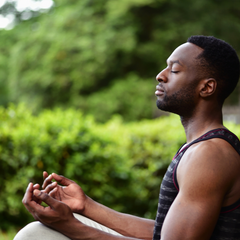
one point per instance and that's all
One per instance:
(181, 102)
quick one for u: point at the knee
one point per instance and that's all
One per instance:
(38, 231)
(30, 231)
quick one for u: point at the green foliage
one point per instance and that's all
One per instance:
(119, 165)
(9, 235)
(78, 52)
(126, 98)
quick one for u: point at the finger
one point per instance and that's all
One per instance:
(62, 180)
(53, 193)
(46, 198)
(45, 174)
(47, 181)
(37, 200)
(29, 201)
(50, 187)
(28, 194)
(36, 186)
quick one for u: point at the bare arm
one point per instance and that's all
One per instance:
(59, 216)
(125, 224)
(205, 177)
(72, 195)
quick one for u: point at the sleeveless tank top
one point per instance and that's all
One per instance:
(228, 224)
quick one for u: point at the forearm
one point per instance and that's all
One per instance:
(76, 230)
(124, 224)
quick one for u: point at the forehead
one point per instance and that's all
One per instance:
(185, 54)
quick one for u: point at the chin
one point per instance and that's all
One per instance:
(176, 109)
(162, 106)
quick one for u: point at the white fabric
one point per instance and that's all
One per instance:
(38, 231)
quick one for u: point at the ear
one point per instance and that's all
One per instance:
(208, 87)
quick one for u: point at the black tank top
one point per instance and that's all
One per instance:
(228, 224)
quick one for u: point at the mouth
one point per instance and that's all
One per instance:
(159, 91)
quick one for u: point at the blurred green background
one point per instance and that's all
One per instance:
(77, 82)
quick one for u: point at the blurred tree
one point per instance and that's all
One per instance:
(100, 56)
(20, 10)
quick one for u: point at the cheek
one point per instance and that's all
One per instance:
(173, 87)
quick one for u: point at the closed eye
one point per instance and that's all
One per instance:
(174, 71)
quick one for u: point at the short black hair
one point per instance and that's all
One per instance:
(218, 60)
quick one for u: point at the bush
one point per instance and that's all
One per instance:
(120, 165)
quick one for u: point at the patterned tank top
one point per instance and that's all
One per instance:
(228, 224)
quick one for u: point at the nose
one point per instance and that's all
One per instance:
(161, 77)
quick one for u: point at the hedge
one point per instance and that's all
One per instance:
(118, 164)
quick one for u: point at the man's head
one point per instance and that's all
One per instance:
(203, 68)
(219, 61)
(176, 91)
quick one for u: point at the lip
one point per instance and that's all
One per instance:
(160, 90)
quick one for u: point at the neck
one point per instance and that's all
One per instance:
(201, 122)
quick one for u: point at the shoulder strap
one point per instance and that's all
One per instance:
(220, 133)
(215, 133)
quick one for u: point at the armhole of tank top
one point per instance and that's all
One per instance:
(182, 148)
(231, 207)
(175, 181)
(179, 150)
(225, 209)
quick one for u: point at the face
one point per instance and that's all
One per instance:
(177, 88)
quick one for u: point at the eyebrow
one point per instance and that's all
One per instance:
(176, 61)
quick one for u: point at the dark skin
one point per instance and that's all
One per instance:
(59, 215)
(208, 174)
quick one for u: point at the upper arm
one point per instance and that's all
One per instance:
(204, 178)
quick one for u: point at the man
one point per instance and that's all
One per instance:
(200, 193)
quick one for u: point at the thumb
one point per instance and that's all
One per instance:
(61, 179)
(45, 198)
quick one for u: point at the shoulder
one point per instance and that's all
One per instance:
(213, 152)
(206, 176)
(210, 165)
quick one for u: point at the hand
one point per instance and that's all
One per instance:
(70, 193)
(57, 215)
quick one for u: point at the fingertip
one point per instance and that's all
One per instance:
(36, 185)
(45, 174)
(49, 177)
(55, 176)
(51, 194)
(29, 187)
(36, 192)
